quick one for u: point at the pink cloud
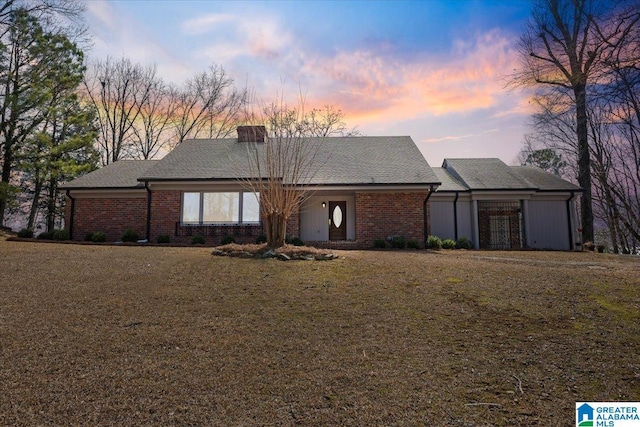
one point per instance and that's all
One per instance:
(369, 86)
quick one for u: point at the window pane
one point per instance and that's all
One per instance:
(250, 207)
(191, 207)
(220, 207)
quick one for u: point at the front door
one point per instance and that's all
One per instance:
(337, 220)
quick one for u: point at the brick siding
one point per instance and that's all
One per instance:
(382, 215)
(165, 212)
(109, 215)
(378, 216)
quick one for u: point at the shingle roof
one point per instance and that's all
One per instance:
(373, 160)
(449, 182)
(120, 174)
(493, 174)
(486, 174)
(348, 160)
(544, 180)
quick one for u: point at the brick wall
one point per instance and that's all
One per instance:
(293, 226)
(381, 215)
(378, 216)
(165, 212)
(109, 215)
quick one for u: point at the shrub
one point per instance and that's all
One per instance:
(448, 244)
(197, 240)
(130, 236)
(163, 238)
(60, 235)
(413, 244)
(434, 242)
(379, 243)
(261, 239)
(295, 241)
(464, 243)
(99, 236)
(25, 233)
(398, 242)
(45, 235)
(226, 240)
(88, 237)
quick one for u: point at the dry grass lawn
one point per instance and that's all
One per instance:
(104, 335)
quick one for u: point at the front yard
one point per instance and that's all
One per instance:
(103, 335)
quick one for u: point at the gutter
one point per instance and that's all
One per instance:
(424, 213)
(569, 225)
(148, 231)
(455, 216)
(72, 213)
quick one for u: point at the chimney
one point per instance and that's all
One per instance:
(251, 133)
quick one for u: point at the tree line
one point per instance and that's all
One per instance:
(61, 117)
(581, 57)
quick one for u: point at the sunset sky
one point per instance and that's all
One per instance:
(433, 70)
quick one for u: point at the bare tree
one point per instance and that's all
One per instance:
(207, 106)
(150, 132)
(613, 129)
(283, 159)
(118, 90)
(562, 49)
(328, 121)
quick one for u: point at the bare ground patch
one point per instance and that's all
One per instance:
(97, 335)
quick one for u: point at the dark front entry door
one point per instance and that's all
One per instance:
(337, 220)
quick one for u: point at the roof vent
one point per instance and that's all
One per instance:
(251, 133)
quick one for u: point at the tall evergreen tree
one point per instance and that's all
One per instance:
(39, 74)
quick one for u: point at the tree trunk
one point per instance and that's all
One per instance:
(276, 225)
(51, 205)
(584, 164)
(36, 199)
(6, 175)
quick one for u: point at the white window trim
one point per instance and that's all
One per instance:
(222, 223)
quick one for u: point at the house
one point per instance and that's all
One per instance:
(370, 187)
(503, 207)
(365, 188)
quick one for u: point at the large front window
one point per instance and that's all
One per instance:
(220, 207)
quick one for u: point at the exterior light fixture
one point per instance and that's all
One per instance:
(324, 204)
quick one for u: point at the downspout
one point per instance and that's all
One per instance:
(148, 233)
(424, 212)
(569, 226)
(455, 216)
(71, 213)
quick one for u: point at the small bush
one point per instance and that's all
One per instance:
(434, 242)
(130, 236)
(379, 243)
(99, 236)
(45, 235)
(261, 239)
(413, 244)
(197, 240)
(163, 238)
(25, 233)
(448, 244)
(227, 239)
(295, 241)
(398, 242)
(88, 237)
(60, 235)
(464, 243)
